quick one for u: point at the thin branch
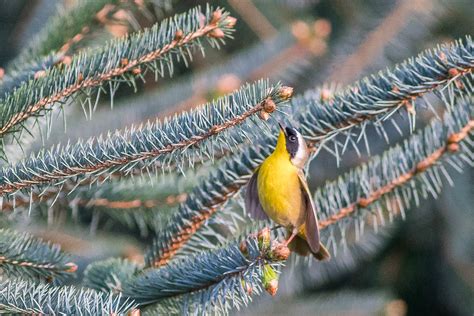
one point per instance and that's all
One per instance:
(175, 136)
(217, 26)
(234, 271)
(451, 146)
(22, 253)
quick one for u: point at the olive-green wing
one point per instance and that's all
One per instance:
(252, 202)
(311, 222)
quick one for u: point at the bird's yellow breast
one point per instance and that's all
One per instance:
(279, 190)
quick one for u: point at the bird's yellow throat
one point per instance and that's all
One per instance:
(279, 187)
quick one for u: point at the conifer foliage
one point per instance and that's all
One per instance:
(172, 178)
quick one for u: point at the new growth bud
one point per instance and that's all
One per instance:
(230, 21)
(71, 267)
(216, 16)
(269, 106)
(270, 279)
(285, 92)
(217, 33)
(280, 252)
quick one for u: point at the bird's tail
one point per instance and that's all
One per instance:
(301, 247)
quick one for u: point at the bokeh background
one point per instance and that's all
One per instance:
(422, 265)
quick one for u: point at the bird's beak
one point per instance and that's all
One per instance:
(282, 127)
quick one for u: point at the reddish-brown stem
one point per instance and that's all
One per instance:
(69, 268)
(100, 202)
(450, 146)
(189, 229)
(15, 186)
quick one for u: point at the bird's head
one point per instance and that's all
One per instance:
(293, 144)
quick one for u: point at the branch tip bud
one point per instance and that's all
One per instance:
(285, 92)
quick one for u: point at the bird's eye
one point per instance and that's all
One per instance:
(292, 138)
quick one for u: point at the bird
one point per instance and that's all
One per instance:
(278, 190)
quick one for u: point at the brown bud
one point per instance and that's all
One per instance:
(80, 77)
(66, 60)
(2, 73)
(178, 35)
(136, 71)
(39, 74)
(269, 106)
(216, 33)
(216, 16)
(124, 62)
(454, 138)
(301, 31)
(71, 267)
(170, 199)
(326, 94)
(454, 147)
(363, 202)
(264, 115)
(230, 21)
(280, 252)
(453, 72)
(322, 28)
(272, 287)
(285, 92)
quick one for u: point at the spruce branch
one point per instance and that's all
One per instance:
(387, 92)
(320, 119)
(155, 145)
(29, 298)
(119, 60)
(138, 204)
(399, 177)
(208, 282)
(21, 253)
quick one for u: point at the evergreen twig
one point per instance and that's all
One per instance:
(124, 58)
(23, 254)
(153, 146)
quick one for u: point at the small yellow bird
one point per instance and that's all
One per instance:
(278, 189)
